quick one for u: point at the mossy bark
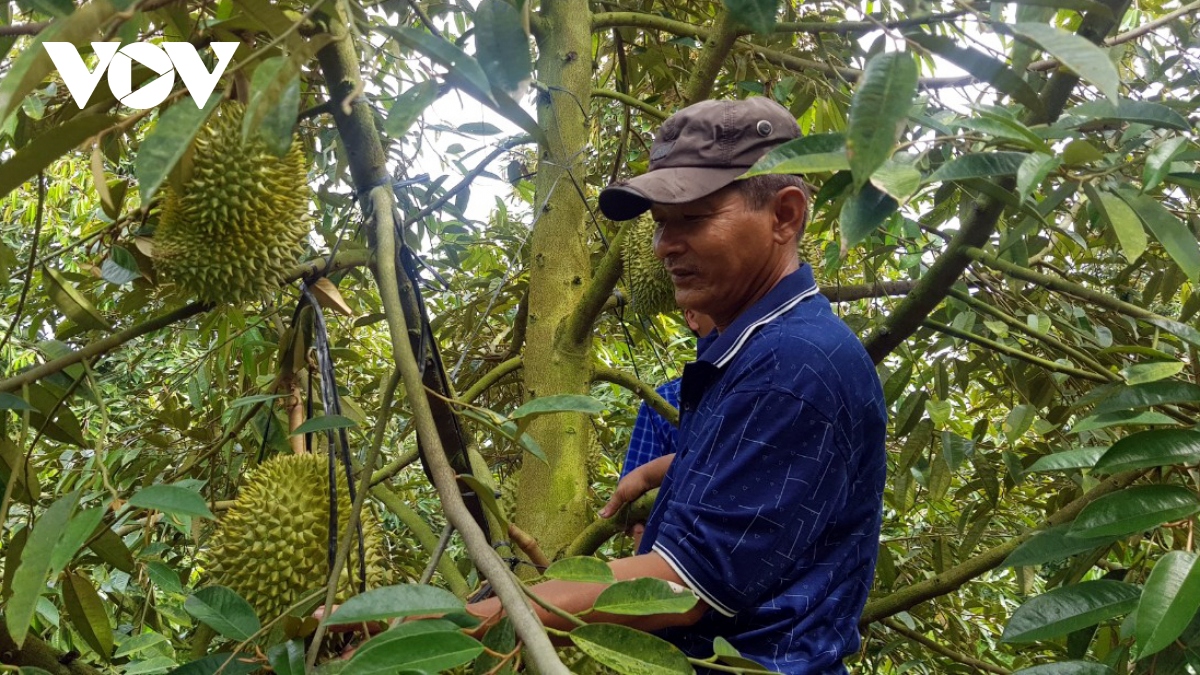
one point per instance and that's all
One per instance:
(553, 503)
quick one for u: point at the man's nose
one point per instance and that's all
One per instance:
(668, 241)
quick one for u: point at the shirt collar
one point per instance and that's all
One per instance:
(789, 292)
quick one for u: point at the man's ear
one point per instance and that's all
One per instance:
(791, 214)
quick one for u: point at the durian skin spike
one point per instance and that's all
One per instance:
(236, 223)
(271, 546)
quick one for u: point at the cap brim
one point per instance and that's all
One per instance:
(675, 185)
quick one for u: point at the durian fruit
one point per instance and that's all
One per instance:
(235, 216)
(271, 547)
(649, 282)
(648, 279)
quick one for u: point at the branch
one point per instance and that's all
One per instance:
(424, 534)
(631, 101)
(955, 577)
(712, 56)
(1016, 324)
(578, 327)
(1063, 286)
(603, 529)
(34, 653)
(1015, 353)
(101, 346)
(105, 345)
(467, 179)
(643, 390)
(879, 289)
(490, 378)
(980, 223)
(943, 650)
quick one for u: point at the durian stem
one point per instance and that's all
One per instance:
(201, 639)
(643, 390)
(604, 280)
(541, 653)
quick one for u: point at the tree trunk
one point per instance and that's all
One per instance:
(553, 503)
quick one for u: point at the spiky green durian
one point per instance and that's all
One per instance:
(271, 547)
(648, 280)
(234, 221)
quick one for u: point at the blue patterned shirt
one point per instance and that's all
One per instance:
(652, 436)
(772, 507)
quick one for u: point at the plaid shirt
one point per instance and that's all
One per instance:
(652, 436)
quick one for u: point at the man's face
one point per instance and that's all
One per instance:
(721, 254)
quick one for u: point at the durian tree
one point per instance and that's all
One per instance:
(200, 300)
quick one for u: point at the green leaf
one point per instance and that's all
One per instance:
(1067, 668)
(1180, 330)
(32, 64)
(254, 399)
(444, 53)
(1169, 602)
(13, 402)
(157, 664)
(30, 578)
(27, 488)
(324, 423)
(501, 639)
(86, 611)
(120, 267)
(1171, 232)
(287, 658)
(544, 405)
(137, 643)
(209, 665)
(1080, 151)
(1146, 395)
(502, 45)
(163, 576)
(757, 15)
(629, 651)
(172, 499)
(818, 153)
(1143, 373)
(982, 66)
(897, 179)
(1158, 162)
(643, 597)
(1162, 447)
(1086, 59)
(1018, 421)
(1052, 544)
(1068, 460)
(1126, 418)
(881, 103)
(1141, 112)
(863, 213)
(979, 165)
(166, 144)
(582, 568)
(274, 104)
(1033, 171)
(1135, 509)
(45, 149)
(224, 611)
(408, 108)
(81, 527)
(411, 647)
(390, 602)
(1068, 609)
(73, 303)
(956, 449)
(1122, 219)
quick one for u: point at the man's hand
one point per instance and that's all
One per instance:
(637, 483)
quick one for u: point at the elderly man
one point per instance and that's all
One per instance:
(770, 510)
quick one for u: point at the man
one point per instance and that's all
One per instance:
(770, 510)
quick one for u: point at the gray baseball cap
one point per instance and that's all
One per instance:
(700, 150)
